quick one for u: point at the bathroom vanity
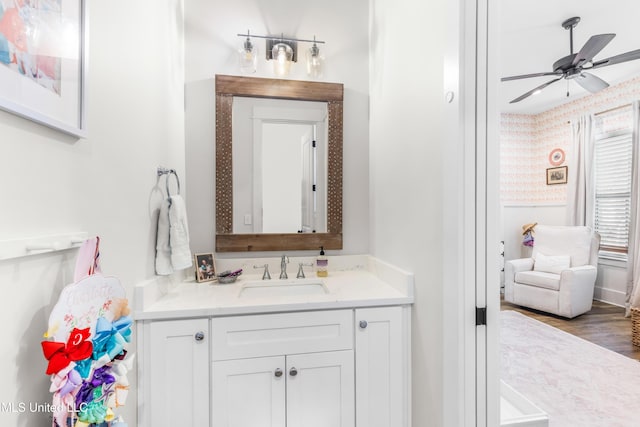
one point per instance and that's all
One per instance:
(332, 351)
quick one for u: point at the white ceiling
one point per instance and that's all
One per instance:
(532, 39)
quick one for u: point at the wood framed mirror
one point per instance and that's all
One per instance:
(229, 87)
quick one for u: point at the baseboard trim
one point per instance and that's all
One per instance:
(610, 296)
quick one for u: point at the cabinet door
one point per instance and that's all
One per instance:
(249, 392)
(177, 384)
(381, 368)
(320, 389)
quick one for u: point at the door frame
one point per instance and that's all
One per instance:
(471, 363)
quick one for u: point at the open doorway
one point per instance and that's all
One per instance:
(535, 135)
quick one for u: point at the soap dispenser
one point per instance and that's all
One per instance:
(322, 264)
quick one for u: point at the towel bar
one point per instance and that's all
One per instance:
(16, 248)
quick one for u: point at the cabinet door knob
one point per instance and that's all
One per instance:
(278, 372)
(199, 336)
(363, 324)
(293, 372)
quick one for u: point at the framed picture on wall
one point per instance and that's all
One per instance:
(43, 63)
(205, 267)
(557, 175)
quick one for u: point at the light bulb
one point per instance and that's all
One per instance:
(282, 55)
(248, 55)
(315, 62)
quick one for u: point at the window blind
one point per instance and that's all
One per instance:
(613, 190)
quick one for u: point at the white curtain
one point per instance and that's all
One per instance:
(580, 185)
(633, 255)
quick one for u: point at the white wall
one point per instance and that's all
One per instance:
(211, 28)
(104, 185)
(407, 169)
(515, 216)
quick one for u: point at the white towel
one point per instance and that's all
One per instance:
(179, 234)
(163, 251)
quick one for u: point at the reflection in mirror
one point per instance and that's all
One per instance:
(283, 190)
(253, 194)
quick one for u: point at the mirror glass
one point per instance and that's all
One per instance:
(278, 164)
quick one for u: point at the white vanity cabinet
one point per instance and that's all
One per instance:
(301, 390)
(176, 373)
(325, 368)
(286, 369)
(382, 366)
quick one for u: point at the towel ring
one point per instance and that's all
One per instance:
(173, 172)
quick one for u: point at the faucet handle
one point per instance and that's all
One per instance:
(265, 274)
(300, 274)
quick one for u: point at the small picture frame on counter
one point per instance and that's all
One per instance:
(205, 267)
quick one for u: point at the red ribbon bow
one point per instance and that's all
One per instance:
(59, 355)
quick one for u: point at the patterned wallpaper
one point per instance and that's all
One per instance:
(527, 140)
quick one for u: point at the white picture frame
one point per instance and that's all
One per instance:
(44, 64)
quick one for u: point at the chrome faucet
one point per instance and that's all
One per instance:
(283, 267)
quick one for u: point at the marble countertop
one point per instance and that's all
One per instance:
(360, 281)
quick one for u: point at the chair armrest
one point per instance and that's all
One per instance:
(584, 273)
(577, 285)
(512, 267)
(517, 265)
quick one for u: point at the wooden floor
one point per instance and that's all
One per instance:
(604, 325)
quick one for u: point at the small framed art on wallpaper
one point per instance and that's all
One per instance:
(557, 175)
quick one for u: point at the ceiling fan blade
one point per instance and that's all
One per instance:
(535, 90)
(591, 48)
(623, 57)
(590, 82)
(526, 76)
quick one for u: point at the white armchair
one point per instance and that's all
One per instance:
(560, 276)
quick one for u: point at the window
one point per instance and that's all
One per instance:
(612, 173)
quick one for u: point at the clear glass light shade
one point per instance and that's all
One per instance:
(315, 62)
(248, 55)
(282, 55)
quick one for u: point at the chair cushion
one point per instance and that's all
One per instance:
(539, 279)
(551, 264)
(564, 240)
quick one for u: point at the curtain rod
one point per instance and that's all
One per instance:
(610, 110)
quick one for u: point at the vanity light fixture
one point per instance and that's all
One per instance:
(314, 61)
(283, 51)
(248, 55)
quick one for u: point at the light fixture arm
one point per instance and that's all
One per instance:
(287, 39)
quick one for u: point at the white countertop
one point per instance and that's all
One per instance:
(363, 281)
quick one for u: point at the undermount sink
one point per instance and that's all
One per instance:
(282, 288)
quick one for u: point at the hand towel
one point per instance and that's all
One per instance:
(179, 234)
(163, 251)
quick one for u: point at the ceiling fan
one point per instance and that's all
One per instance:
(575, 66)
